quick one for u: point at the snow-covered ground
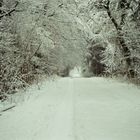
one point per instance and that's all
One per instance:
(76, 109)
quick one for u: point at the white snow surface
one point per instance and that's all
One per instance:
(75, 109)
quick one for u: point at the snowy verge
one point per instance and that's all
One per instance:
(24, 95)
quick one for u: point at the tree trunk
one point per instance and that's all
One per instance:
(124, 49)
(1, 4)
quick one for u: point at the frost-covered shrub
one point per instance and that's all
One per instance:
(132, 39)
(116, 24)
(10, 58)
(94, 58)
(16, 69)
(112, 59)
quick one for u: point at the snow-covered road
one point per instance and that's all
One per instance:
(76, 109)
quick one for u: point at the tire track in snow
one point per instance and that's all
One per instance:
(61, 126)
(76, 109)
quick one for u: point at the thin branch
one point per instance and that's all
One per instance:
(9, 12)
(8, 108)
(35, 51)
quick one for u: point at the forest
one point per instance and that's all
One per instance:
(41, 38)
(69, 69)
